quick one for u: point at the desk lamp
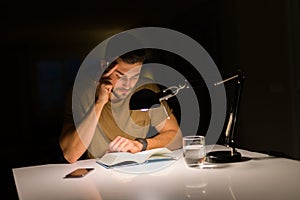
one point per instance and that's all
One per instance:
(232, 155)
(146, 99)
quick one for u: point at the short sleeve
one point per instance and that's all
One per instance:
(159, 114)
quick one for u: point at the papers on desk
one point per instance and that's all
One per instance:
(122, 159)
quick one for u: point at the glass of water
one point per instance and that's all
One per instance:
(194, 150)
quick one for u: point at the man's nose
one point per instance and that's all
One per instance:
(126, 83)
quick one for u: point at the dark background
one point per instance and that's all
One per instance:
(43, 44)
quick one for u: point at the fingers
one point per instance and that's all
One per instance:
(110, 71)
(105, 85)
(105, 80)
(123, 144)
(105, 77)
(103, 91)
(118, 144)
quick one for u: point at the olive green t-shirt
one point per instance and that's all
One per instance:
(118, 120)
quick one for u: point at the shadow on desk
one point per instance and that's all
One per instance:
(271, 154)
(211, 165)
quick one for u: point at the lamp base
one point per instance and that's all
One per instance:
(223, 157)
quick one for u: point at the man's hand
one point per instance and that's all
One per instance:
(104, 87)
(125, 145)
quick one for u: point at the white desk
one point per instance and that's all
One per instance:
(261, 177)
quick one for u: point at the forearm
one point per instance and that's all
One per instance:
(72, 146)
(169, 139)
(169, 136)
(75, 140)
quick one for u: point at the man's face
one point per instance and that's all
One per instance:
(124, 78)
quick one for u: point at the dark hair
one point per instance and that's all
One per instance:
(138, 55)
(131, 57)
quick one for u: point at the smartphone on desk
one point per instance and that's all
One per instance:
(79, 172)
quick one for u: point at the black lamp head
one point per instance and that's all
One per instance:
(143, 100)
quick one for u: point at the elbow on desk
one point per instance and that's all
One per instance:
(70, 159)
(69, 156)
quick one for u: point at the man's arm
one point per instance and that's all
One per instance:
(169, 135)
(75, 140)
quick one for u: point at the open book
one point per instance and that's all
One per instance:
(115, 159)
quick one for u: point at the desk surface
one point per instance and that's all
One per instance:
(259, 177)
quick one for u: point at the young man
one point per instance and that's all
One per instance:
(109, 125)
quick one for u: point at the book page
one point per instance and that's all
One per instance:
(114, 158)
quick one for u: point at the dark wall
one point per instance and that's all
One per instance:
(268, 50)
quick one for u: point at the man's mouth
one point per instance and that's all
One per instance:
(123, 90)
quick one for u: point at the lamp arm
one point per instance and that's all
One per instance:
(174, 91)
(231, 128)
